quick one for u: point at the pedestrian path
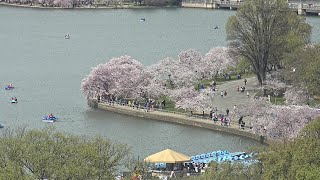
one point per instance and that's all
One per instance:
(233, 96)
(178, 118)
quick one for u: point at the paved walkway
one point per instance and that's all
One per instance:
(181, 119)
(233, 96)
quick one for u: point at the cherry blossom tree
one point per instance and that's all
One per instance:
(191, 66)
(175, 71)
(122, 76)
(154, 89)
(296, 96)
(182, 93)
(63, 3)
(200, 103)
(279, 121)
(217, 60)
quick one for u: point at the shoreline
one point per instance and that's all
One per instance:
(182, 119)
(126, 6)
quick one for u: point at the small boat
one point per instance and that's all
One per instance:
(142, 19)
(216, 27)
(1, 126)
(9, 88)
(67, 36)
(49, 119)
(13, 101)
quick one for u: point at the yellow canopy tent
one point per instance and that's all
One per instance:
(167, 156)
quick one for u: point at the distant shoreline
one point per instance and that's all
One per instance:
(126, 6)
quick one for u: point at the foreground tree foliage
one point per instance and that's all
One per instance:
(303, 68)
(262, 31)
(48, 154)
(290, 159)
(297, 159)
(234, 171)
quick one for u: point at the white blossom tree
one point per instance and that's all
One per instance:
(279, 121)
(122, 77)
(217, 60)
(182, 93)
(296, 96)
(200, 103)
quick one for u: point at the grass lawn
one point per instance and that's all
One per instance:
(278, 100)
(314, 103)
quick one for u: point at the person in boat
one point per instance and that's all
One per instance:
(15, 99)
(50, 115)
(216, 27)
(10, 86)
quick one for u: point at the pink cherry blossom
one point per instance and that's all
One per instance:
(295, 96)
(218, 59)
(182, 93)
(280, 121)
(199, 103)
(123, 77)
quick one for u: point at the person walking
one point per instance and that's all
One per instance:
(227, 111)
(245, 81)
(172, 175)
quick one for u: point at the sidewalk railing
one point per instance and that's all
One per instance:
(185, 114)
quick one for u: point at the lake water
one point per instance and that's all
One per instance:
(47, 69)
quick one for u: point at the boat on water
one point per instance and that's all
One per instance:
(14, 101)
(49, 119)
(1, 126)
(9, 88)
(142, 19)
(216, 27)
(67, 36)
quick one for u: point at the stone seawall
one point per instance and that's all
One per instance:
(182, 119)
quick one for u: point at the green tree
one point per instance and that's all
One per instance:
(303, 68)
(232, 171)
(40, 154)
(263, 31)
(297, 159)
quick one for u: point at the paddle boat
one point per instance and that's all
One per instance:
(220, 156)
(9, 87)
(67, 36)
(49, 119)
(14, 101)
(142, 19)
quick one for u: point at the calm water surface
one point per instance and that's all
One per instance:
(47, 69)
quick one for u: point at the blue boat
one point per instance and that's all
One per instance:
(49, 119)
(9, 88)
(220, 156)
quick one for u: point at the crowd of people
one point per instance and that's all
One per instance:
(151, 104)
